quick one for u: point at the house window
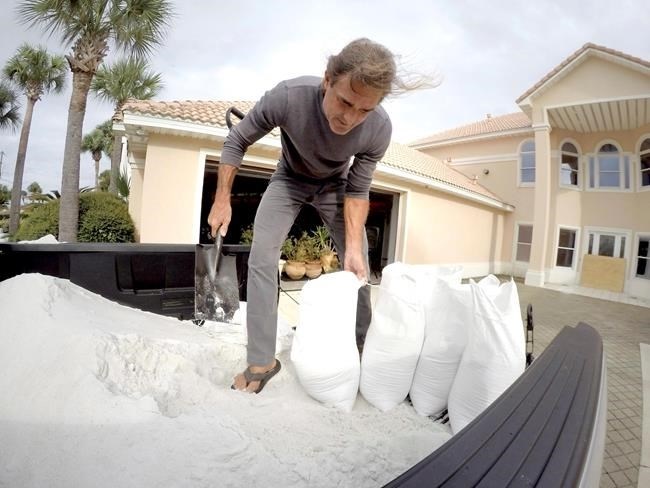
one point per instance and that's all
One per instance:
(524, 242)
(566, 247)
(606, 244)
(643, 259)
(527, 163)
(609, 169)
(569, 165)
(644, 159)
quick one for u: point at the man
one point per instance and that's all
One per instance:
(323, 122)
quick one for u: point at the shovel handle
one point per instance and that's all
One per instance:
(218, 243)
(233, 110)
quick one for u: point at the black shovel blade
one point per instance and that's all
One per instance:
(216, 292)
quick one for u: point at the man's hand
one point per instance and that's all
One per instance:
(221, 211)
(220, 215)
(355, 262)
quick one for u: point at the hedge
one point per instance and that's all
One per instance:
(103, 217)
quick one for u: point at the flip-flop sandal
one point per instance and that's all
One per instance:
(263, 378)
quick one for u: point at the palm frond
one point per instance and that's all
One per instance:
(124, 79)
(123, 184)
(140, 25)
(9, 108)
(35, 71)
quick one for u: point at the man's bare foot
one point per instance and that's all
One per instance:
(255, 377)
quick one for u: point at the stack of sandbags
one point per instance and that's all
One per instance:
(397, 331)
(495, 355)
(449, 315)
(324, 349)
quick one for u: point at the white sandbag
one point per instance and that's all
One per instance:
(424, 274)
(324, 349)
(495, 354)
(393, 343)
(448, 313)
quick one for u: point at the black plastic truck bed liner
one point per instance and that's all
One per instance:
(157, 278)
(546, 430)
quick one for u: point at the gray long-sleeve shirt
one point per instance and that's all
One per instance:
(310, 149)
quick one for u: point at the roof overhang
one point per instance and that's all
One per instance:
(592, 114)
(432, 183)
(573, 62)
(475, 138)
(601, 116)
(138, 128)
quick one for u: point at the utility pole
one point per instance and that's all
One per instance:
(2, 155)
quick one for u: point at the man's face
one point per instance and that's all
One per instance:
(347, 103)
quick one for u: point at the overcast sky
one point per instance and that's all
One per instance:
(487, 54)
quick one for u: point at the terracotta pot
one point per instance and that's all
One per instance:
(329, 262)
(294, 269)
(313, 269)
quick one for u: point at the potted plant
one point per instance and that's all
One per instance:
(328, 258)
(309, 250)
(294, 267)
(246, 236)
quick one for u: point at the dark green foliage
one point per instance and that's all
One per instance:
(5, 195)
(4, 223)
(41, 220)
(103, 217)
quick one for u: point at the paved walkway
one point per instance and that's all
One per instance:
(623, 327)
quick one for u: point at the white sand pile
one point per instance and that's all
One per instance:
(97, 394)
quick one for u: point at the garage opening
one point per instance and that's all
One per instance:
(248, 187)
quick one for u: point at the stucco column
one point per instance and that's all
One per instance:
(537, 264)
(135, 196)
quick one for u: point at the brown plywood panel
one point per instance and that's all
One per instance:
(603, 272)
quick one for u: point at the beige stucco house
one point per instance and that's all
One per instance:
(575, 165)
(557, 193)
(422, 211)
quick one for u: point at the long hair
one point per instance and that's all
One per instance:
(373, 65)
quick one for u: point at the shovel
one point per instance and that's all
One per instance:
(216, 292)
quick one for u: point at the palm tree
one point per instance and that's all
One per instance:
(9, 107)
(34, 188)
(95, 143)
(34, 72)
(126, 78)
(133, 26)
(35, 193)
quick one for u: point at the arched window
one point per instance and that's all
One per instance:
(609, 169)
(644, 160)
(569, 169)
(527, 163)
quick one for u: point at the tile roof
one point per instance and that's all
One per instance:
(573, 57)
(398, 156)
(416, 162)
(210, 112)
(489, 125)
(518, 120)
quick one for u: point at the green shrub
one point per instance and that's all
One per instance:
(40, 221)
(103, 217)
(4, 223)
